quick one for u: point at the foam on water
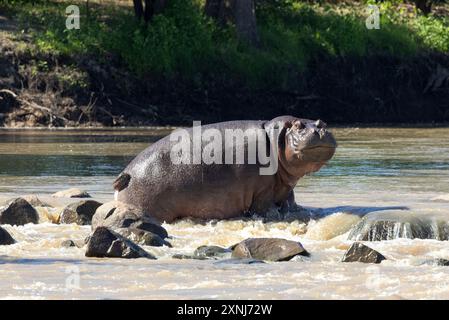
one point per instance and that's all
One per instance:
(374, 170)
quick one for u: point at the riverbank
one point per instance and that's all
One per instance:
(110, 73)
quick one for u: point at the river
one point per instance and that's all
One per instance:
(373, 169)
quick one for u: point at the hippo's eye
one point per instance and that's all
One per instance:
(299, 125)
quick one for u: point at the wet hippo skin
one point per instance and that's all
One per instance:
(168, 191)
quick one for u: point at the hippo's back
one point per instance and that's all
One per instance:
(168, 190)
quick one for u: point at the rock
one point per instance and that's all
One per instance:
(239, 261)
(35, 201)
(80, 212)
(211, 252)
(272, 249)
(436, 262)
(68, 244)
(107, 243)
(143, 237)
(358, 252)
(71, 193)
(187, 257)
(18, 212)
(115, 215)
(205, 252)
(389, 225)
(5, 237)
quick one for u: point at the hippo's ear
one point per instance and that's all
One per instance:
(276, 130)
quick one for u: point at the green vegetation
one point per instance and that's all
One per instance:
(183, 42)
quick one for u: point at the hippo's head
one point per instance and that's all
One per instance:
(304, 145)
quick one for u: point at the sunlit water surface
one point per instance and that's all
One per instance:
(372, 169)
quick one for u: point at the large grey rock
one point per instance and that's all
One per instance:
(212, 252)
(35, 201)
(79, 212)
(71, 193)
(272, 249)
(359, 252)
(143, 237)
(5, 237)
(115, 215)
(107, 243)
(18, 212)
(389, 225)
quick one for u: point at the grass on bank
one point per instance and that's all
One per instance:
(184, 43)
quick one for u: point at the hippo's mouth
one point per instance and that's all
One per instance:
(317, 153)
(319, 147)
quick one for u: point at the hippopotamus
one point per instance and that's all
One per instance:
(170, 180)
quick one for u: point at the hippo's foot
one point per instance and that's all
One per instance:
(293, 213)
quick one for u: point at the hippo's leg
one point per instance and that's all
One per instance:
(290, 205)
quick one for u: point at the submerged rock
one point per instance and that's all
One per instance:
(205, 252)
(187, 257)
(18, 212)
(71, 193)
(211, 252)
(272, 249)
(5, 237)
(331, 226)
(239, 261)
(143, 237)
(359, 252)
(436, 262)
(389, 225)
(68, 244)
(115, 215)
(80, 212)
(105, 243)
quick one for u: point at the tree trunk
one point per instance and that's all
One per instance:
(212, 8)
(159, 6)
(245, 21)
(424, 5)
(151, 8)
(239, 12)
(138, 9)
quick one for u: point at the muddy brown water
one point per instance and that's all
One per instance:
(373, 169)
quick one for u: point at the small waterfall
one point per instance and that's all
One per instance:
(389, 225)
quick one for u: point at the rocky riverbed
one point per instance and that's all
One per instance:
(383, 198)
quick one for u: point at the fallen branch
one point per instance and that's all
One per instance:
(9, 92)
(34, 105)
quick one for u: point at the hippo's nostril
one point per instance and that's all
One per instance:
(320, 124)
